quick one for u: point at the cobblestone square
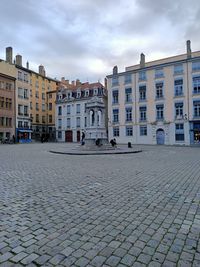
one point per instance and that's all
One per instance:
(99, 210)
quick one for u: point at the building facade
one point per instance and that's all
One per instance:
(42, 104)
(156, 102)
(7, 101)
(71, 113)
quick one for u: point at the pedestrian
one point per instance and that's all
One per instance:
(83, 139)
(13, 137)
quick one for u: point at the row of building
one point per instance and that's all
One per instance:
(150, 103)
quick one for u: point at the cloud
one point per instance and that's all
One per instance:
(85, 38)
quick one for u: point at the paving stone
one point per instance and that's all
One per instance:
(128, 260)
(30, 258)
(98, 261)
(19, 257)
(113, 261)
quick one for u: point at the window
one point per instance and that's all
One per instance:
(59, 123)
(129, 114)
(179, 132)
(159, 73)
(95, 91)
(50, 96)
(115, 94)
(60, 110)
(129, 130)
(86, 93)
(7, 102)
(178, 87)
(142, 92)
(115, 115)
(78, 94)
(37, 94)
(50, 106)
(25, 110)
(26, 77)
(179, 110)
(78, 108)
(43, 119)
(128, 95)
(20, 125)
(127, 78)
(143, 111)
(20, 110)
(37, 118)
(26, 93)
(50, 118)
(20, 75)
(196, 106)
(115, 131)
(31, 92)
(31, 105)
(178, 69)
(85, 121)
(159, 90)
(160, 112)
(26, 124)
(68, 109)
(115, 81)
(196, 85)
(43, 107)
(78, 122)
(196, 66)
(59, 135)
(37, 84)
(37, 106)
(20, 93)
(142, 75)
(43, 96)
(143, 130)
(68, 123)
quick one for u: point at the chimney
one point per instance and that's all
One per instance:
(189, 52)
(27, 65)
(73, 83)
(62, 79)
(78, 82)
(142, 60)
(9, 54)
(67, 82)
(115, 70)
(42, 70)
(19, 60)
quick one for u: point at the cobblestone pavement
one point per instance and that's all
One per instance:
(108, 210)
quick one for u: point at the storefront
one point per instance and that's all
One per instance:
(195, 132)
(23, 135)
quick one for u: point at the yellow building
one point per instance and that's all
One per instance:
(42, 104)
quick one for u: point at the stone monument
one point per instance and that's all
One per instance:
(95, 133)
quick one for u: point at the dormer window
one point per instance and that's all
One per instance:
(60, 97)
(68, 95)
(86, 93)
(78, 94)
(95, 91)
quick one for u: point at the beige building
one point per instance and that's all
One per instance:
(7, 101)
(156, 102)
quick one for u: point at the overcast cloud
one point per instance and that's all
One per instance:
(84, 39)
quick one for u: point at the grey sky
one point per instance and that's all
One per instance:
(85, 38)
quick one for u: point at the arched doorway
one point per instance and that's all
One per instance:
(160, 137)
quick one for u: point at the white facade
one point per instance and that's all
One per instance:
(156, 102)
(71, 114)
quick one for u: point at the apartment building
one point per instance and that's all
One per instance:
(156, 102)
(42, 103)
(35, 97)
(71, 117)
(7, 101)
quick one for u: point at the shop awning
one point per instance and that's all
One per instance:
(25, 131)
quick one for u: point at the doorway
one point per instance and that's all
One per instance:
(160, 137)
